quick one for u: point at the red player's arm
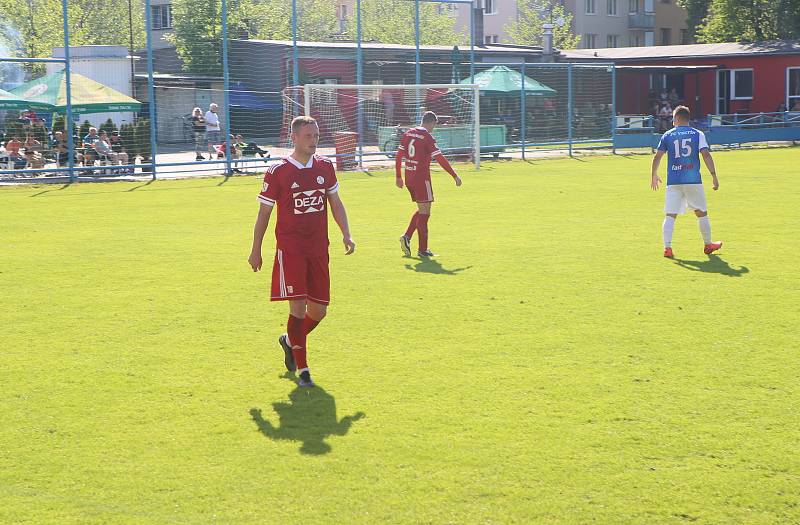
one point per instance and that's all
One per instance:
(440, 158)
(398, 162)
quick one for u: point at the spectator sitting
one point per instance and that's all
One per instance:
(33, 152)
(118, 147)
(222, 150)
(29, 117)
(665, 115)
(249, 149)
(61, 147)
(673, 97)
(664, 96)
(90, 155)
(103, 148)
(13, 155)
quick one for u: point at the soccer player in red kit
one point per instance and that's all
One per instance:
(418, 148)
(302, 186)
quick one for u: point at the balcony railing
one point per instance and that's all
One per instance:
(642, 21)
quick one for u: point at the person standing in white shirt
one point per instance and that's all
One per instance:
(213, 135)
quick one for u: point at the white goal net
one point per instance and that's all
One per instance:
(360, 124)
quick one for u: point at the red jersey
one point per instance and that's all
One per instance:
(419, 147)
(301, 193)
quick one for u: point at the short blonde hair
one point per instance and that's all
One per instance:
(299, 122)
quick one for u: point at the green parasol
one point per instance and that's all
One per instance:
(500, 79)
(12, 101)
(88, 96)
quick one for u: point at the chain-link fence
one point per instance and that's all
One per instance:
(187, 88)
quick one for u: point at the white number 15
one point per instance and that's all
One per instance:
(685, 148)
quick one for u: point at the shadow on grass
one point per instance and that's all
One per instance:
(714, 264)
(434, 266)
(309, 417)
(148, 183)
(65, 185)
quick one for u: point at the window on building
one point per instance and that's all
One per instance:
(666, 36)
(490, 39)
(611, 10)
(161, 16)
(685, 36)
(590, 9)
(635, 40)
(612, 41)
(633, 6)
(793, 88)
(489, 7)
(742, 84)
(589, 41)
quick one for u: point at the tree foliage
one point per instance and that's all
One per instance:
(392, 22)
(743, 20)
(528, 30)
(32, 28)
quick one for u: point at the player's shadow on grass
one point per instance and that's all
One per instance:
(309, 417)
(434, 266)
(714, 264)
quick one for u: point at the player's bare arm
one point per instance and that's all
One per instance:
(655, 180)
(340, 216)
(398, 168)
(709, 162)
(448, 168)
(262, 221)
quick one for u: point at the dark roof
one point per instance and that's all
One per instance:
(784, 47)
(494, 48)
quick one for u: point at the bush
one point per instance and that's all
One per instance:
(108, 126)
(59, 123)
(141, 137)
(84, 129)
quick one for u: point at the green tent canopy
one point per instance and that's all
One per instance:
(500, 79)
(12, 101)
(88, 96)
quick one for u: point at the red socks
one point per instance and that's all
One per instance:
(309, 324)
(412, 225)
(297, 337)
(297, 330)
(422, 228)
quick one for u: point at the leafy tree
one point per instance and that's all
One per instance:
(527, 29)
(108, 126)
(392, 21)
(697, 12)
(272, 19)
(750, 21)
(83, 130)
(32, 28)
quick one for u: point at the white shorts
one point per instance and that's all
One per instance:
(681, 196)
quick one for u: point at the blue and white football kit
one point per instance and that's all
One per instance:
(683, 144)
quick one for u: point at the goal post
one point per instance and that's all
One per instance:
(365, 121)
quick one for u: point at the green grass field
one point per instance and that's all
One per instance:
(549, 367)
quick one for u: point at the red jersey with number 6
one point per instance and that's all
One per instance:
(301, 193)
(419, 148)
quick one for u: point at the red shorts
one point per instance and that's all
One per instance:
(420, 189)
(299, 277)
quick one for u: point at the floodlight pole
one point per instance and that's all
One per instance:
(151, 92)
(569, 107)
(67, 69)
(226, 86)
(295, 53)
(417, 71)
(522, 110)
(613, 107)
(359, 81)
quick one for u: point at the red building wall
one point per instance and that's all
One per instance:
(769, 82)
